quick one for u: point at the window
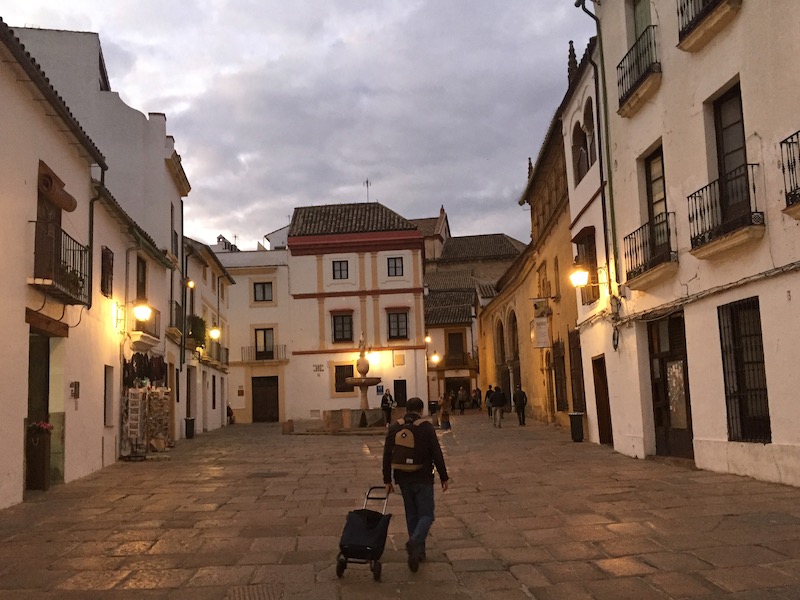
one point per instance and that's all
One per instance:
(395, 266)
(141, 278)
(343, 328)
(398, 325)
(265, 344)
(342, 372)
(556, 279)
(340, 269)
(587, 256)
(743, 370)
(580, 153)
(106, 272)
(213, 392)
(731, 156)
(262, 291)
(172, 227)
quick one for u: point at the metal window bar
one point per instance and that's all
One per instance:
(63, 260)
(176, 316)
(254, 353)
(743, 371)
(651, 245)
(152, 326)
(790, 165)
(723, 206)
(640, 60)
(691, 13)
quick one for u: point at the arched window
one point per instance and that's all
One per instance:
(500, 345)
(513, 336)
(588, 128)
(580, 153)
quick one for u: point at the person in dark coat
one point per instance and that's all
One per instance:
(520, 399)
(387, 404)
(462, 400)
(488, 401)
(416, 487)
(498, 406)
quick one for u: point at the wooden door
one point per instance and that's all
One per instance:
(605, 429)
(265, 400)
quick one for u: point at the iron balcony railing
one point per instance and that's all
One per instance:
(214, 350)
(224, 355)
(723, 206)
(651, 245)
(790, 165)
(152, 326)
(691, 13)
(176, 316)
(639, 62)
(255, 353)
(63, 261)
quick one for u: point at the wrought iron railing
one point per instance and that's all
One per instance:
(723, 206)
(213, 350)
(224, 355)
(255, 353)
(790, 165)
(176, 316)
(651, 245)
(691, 13)
(639, 62)
(151, 326)
(60, 259)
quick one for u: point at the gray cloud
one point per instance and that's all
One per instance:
(275, 104)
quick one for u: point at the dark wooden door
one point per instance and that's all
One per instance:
(265, 400)
(38, 378)
(669, 378)
(400, 392)
(604, 427)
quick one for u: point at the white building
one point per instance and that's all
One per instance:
(145, 178)
(207, 356)
(52, 316)
(350, 269)
(702, 198)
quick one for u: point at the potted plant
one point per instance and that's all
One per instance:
(37, 456)
(197, 332)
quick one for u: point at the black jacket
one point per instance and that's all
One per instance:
(426, 442)
(498, 398)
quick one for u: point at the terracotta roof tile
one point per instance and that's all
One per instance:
(472, 247)
(333, 219)
(427, 227)
(450, 280)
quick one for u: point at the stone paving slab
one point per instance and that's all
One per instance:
(245, 512)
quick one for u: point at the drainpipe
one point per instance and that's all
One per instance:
(582, 5)
(95, 198)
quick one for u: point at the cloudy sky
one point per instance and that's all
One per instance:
(283, 103)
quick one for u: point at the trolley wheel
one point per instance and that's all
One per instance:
(376, 570)
(341, 565)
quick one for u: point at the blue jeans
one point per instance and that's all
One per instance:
(418, 501)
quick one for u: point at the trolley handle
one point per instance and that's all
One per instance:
(382, 495)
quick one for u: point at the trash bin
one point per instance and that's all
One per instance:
(576, 426)
(189, 427)
(433, 406)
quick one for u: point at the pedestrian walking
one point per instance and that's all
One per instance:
(462, 400)
(387, 404)
(476, 398)
(488, 401)
(412, 461)
(498, 406)
(520, 399)
(447, 406)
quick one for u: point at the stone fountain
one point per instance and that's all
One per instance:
(363, 382)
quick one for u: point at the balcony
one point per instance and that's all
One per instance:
(723, 214)
(651, 253)
(790, 165)
(459, 360)
(61, 265)
(699, 21)
(145, 335)
(175, 327)
(638, 74)
(269, 353)
(195, 332)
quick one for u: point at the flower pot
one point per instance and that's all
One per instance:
(37, 460)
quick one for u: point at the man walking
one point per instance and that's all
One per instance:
(412, 451)
(498, 406)
(488, 400)
(520, 400)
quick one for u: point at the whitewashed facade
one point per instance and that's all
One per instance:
(703, 189)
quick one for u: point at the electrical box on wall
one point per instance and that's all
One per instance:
(75, 389)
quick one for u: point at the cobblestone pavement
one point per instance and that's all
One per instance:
(248, 513)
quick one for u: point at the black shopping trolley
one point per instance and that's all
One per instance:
(364, 535)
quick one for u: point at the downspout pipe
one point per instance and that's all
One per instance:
(614, 251)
